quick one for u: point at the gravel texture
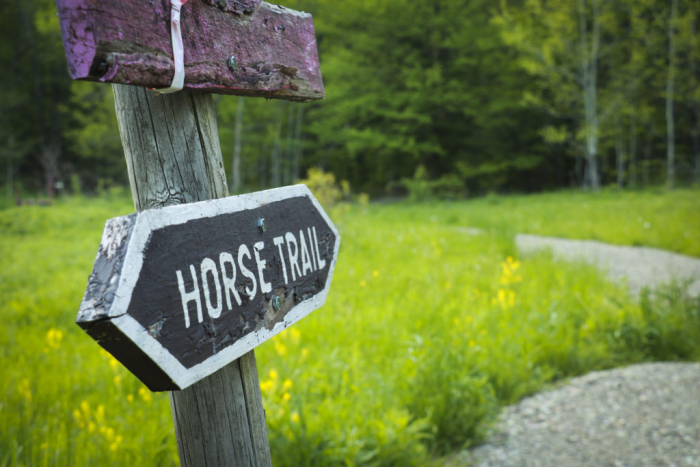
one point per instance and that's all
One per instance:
(639, 266)
(643, 415)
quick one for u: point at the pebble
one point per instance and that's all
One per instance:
(642, 415)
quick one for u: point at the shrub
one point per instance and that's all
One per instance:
(421, 188)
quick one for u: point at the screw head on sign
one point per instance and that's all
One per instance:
(276, 303)
(231, 63)
(262, 225)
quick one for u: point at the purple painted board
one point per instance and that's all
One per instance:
(129, 42)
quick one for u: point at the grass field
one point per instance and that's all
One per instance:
(427, 331)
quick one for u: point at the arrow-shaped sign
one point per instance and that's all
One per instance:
(179, 292)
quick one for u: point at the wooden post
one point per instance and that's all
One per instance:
(173, 156)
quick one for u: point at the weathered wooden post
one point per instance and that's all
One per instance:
(155, 299)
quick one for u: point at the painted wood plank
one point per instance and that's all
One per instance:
(208, 182)
(197, 285)
(128, 42)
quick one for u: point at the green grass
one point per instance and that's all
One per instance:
(657, 218)
(427, 331)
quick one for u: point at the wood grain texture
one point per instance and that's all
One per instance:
(129, 42)
(173, 155)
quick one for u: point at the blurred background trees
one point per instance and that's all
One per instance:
(463, 96)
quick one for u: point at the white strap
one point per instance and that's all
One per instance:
(178, 50)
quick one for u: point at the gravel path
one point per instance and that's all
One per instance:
(642, 415)
(640, 266)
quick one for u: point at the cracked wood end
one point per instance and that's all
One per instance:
(128, 42)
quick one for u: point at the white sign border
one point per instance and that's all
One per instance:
(149, 220)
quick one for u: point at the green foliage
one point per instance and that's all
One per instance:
(427, 330)
(667, 312)
(488, 92)
(94, 134)
(420, 188)
(324, 187)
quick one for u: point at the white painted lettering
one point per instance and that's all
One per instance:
(321, 261)
(244, 251)
(305, 257)
(311, 244)
(293, 257)
(229, 282)
(278, 243)
(190, 296)
(265, 287)
(209, 266)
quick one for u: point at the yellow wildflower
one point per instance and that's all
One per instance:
(286, 385)
(24, 390)
(54, 338)
(117, 380)
(100, 413)
(273, 374)
(469, 319)
(280, 348)
(363, 283)
(295, 335)
(145, 394)
(375, 273)
(509, 266)
(130, 398)
(506, 298)
(266, 387)
(113, 363)
(286, 397)
(304, 353)
(472, 343)
(295, 417)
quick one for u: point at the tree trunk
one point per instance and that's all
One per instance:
(236, 165)
(277, 150)
(589, 74)
(619, 154)
(298, 147)
(696, 147)
(647, 157)
(633, 151)
(173, 157)
(289, 146)
(694, 105)
(10, 178)
(670, 82)
(262, 167)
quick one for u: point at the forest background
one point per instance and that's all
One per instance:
(457, 97)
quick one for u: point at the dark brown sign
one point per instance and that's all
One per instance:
(179, 292)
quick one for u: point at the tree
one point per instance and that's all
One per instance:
(561, 43)
(670, 85)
